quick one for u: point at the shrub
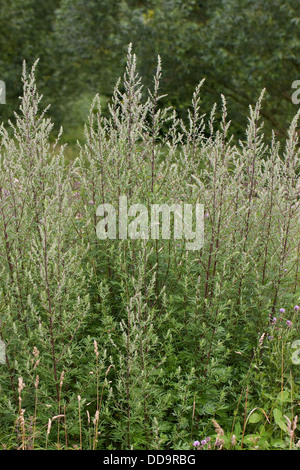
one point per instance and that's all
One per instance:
(139, 344)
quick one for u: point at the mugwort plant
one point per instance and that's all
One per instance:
(148, 340)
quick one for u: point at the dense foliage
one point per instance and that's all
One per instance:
(238, 46)
(142, 344)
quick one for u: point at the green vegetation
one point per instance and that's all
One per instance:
(122, 344)
(238, 46)
(142, 344)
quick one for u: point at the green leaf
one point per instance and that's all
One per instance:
(255, 418)
(237, 430)
(279, 420)
(284, 397)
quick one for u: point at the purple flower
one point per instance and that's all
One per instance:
(274, 320)
(289, 323)
(203, 442)
(296, 308)
(196, 443)
(282, 310)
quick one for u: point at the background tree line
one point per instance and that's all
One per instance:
(238, 46)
